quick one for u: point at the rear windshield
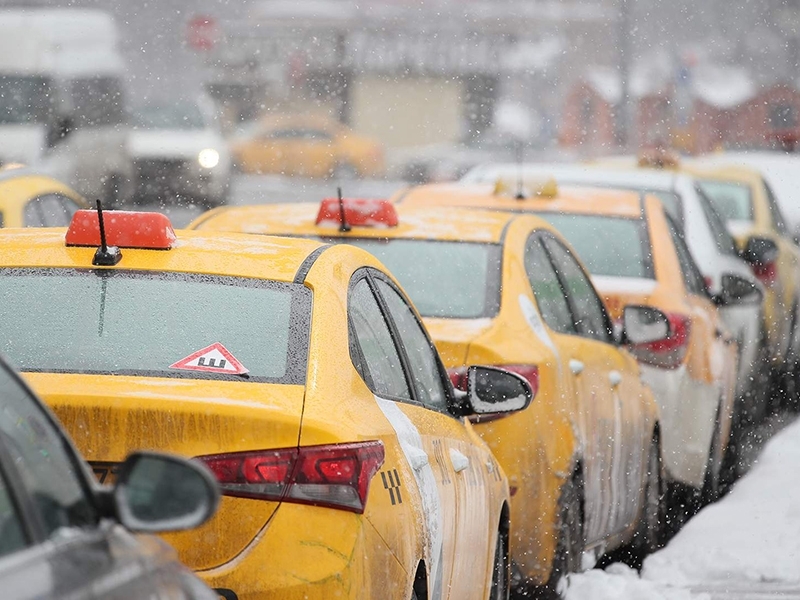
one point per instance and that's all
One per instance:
(140, 323)
(612, 246)
(456, 280)
(731, 200)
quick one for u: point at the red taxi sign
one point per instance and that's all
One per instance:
(124, 229)
(357, 212)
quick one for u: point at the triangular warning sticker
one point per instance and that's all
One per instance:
(213, 359)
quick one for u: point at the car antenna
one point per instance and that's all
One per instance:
(106, 256)
(520, 187)
(344, 227)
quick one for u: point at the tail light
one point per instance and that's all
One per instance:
(458, 375)
(668, 353)
(766, 273)
(336, 476)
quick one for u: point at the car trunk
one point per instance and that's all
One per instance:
(108, 417)
(618, 292)
(453, 337)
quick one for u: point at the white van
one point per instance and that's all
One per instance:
(61, 97)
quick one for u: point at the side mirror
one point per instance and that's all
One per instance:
(158, 492)
(491, 391)
(644, 325)
(760, 251)
(737, 291)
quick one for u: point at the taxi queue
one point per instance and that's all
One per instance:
(463, 391)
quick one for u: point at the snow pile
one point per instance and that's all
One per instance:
(752, 535)
(620, 582)
(748, 540)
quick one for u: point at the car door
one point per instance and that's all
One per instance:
(380, 360)
(312, 153)
(590, 360)
(51, 541)
(454, 451)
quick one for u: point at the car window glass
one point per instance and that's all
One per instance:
(46, 468)
(695, 284)
(547, 288)
(422, 357)
(12, 535)
(671, 202)
(720, 233)
(732, 200)
(53, 212)
(378, 361)
(70, 207)
(775, 211)
(32, 214)
(587, 308)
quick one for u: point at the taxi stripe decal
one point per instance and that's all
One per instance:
(391, 483)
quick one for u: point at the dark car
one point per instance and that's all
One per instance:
(64, 536)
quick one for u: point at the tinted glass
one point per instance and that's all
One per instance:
(48, 470)
(775, 211)
(456, 280)
(547, 288)
(671, 202)
(12, 535)
(127, 322)
(422, 357)
(100, 101)
(587, 308)
(32, 214)
(695, 284)
(25, 99)
(722, 238)
(376, 357)
(731, 200)
(612, 246)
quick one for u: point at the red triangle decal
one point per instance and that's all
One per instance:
(212, 359)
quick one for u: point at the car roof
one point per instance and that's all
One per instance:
(415, 222)
(239, 255)
(597, 200)
(17, 186)
(581, 174)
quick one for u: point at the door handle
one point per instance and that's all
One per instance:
(575, 366)
(615, 378)
(460, 461)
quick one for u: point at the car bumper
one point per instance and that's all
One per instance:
(688, 414)
(312, 553)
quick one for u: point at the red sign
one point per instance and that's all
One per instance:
(202, 33)
(212, 359)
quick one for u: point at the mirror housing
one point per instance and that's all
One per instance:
(158, 492)
(760, 251)
(493, 392)
(644, 325)
(737, 290)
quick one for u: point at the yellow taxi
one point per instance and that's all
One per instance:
(746, 203)
(307, 145)
(31, 199)
(298, 372)
(636, 256)
(506, 290)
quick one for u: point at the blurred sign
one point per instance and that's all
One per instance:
(202, 33)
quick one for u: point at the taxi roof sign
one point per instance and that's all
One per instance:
(527, 188)
(124, 229)
(357, 212)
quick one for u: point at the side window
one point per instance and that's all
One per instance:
(12, 534)
(588, 310)
(46, 467)
(377, 359)
(775, 211)
(722, 238)
(69, 206)
(422, 356)
(32, 214)
(53, 210)
(692, 278)
(547, 288)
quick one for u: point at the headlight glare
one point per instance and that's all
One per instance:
(208, 158)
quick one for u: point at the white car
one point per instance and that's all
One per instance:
(176, 153)
(708, 240)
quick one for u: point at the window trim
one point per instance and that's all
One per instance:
(546, 235)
